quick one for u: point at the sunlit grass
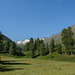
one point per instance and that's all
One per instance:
(37, 67)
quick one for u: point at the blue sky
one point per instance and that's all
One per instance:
(23, 19)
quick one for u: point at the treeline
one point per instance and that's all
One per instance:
(37, 47)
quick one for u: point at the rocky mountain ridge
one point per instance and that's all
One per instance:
(57, 37)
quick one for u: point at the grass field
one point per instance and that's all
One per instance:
(25, 66)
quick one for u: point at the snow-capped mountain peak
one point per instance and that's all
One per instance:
(22, 42)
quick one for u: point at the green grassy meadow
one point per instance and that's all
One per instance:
(28, 66)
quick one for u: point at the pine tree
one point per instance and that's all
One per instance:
(31, 48)
(18, 49)
(26, 47)
(56, 47)
(59, 48)
(38, 45)
(67, 39)
(42, 49)
(64, 39)
(51, 46)
(12, 48)
(47, 48)
(35, 45)
(41, 41)
(70, 40)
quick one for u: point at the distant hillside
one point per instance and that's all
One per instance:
(57, 37)
(5, 38)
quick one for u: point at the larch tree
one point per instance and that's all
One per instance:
(47, 48)
(26, 47)
(38, 45)
(31, 48)
(51, 46)
(42, 49)
(59, 48)
(68, 40)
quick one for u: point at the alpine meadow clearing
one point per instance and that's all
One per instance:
(28, 66)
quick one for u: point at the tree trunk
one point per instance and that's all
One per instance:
(71, 52)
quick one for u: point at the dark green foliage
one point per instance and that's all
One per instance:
(35, 44)
(51, 46)
(59, 48)
(56, 47)
(31, 48)
(38, 45)
(18, 49)
(47, 49)
(67, 39)
(64, 38)
(41, 41)
(12, 48)
(1, 43)
(7, 47)
(31, 40)
(6, 38)
(42, 49)
(26, 47)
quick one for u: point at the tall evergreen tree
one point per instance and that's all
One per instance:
(31, 40)
(35, 45)
(56, 47)
(67, 39)
(26, 47)
(18, 49)
(47, 48)
(38, 45)
(70, 40)
(59, 48)
(31, 48)
(42, 49)
(12, 48)
(51, 46)
(41, 41)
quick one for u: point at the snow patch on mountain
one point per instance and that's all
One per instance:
(22, 42)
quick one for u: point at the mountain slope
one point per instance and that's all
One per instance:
(57, 37)
(5, 38)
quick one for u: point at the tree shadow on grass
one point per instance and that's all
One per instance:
(5, 68)
(6, 65)
(12, 63)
